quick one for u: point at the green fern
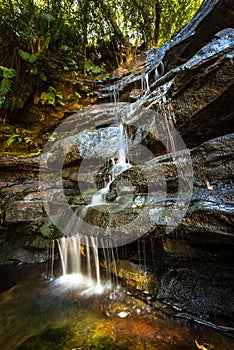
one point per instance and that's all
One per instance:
(50, 97)
(28, 57)
(6, 84)
(14, 138)
(7, 73)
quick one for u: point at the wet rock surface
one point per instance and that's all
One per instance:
(177, 111)
(193, 276)
(211, 206)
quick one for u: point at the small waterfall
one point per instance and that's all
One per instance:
(159, 71)
(114, 93)
(80, 260)
(79, 255)
(145, 82)
(99, 197)
(122, 163)
(122, 153)
(156, 74)
(96, 259)
(49, 266)
(115, 169)
(110, 262)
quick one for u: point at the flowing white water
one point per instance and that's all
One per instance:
(99, 197)
(117, 168)
(49, 266)
(122, 163)
(80, 264)
(80, 254)
(122, 152)
(114, 93)
(159, 70)
(145, 82)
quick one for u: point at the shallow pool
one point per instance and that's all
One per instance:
(67, 314)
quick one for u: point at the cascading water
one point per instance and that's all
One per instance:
(78, 254)
(116, 169)
(114, 93)
(159, 70)
(145, 82)
(122, 163)
(49, 266)
(82, 264)
(77, 261)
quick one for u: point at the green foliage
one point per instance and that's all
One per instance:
(65, 48)
(50, 97)
(92, 68)
(31, 58)
(31, 61)
(140, 19)
(52, 136)
(7, 73)
(174, 15)
(15, 138)
(47, 17)
(5, 87)
(23, 137)
(6, 84)
(77, 35)
(19, 137)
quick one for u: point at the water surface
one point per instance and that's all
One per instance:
(63, 314)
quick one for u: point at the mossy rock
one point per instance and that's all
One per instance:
(52, 339)
(106, 343)
(48, 230)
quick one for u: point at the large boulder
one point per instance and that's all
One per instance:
(211, 207)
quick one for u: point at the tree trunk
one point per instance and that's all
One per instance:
(85, 32)
(156, 22)
(150, 24)
(109, 16)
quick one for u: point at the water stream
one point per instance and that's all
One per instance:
(79, 252)
(38, 314)
(117, 167)
(79, 304)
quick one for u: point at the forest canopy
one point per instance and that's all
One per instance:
(88, 36)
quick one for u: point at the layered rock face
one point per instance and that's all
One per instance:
(177, 112)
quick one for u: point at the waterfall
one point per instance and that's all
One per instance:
(159, 71)
(145, 82)
(114, 93)
(122, 153)
(49, 266)
(80, 260)
(96, 259)
(99, 197)
(116, 169)
(80, 255)
(122, 163)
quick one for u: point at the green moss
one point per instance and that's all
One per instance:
(50, 339)
(48, 230)
(166, 212)
(106, 343)
(193, 208)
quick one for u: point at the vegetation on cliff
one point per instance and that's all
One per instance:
(44, 44)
